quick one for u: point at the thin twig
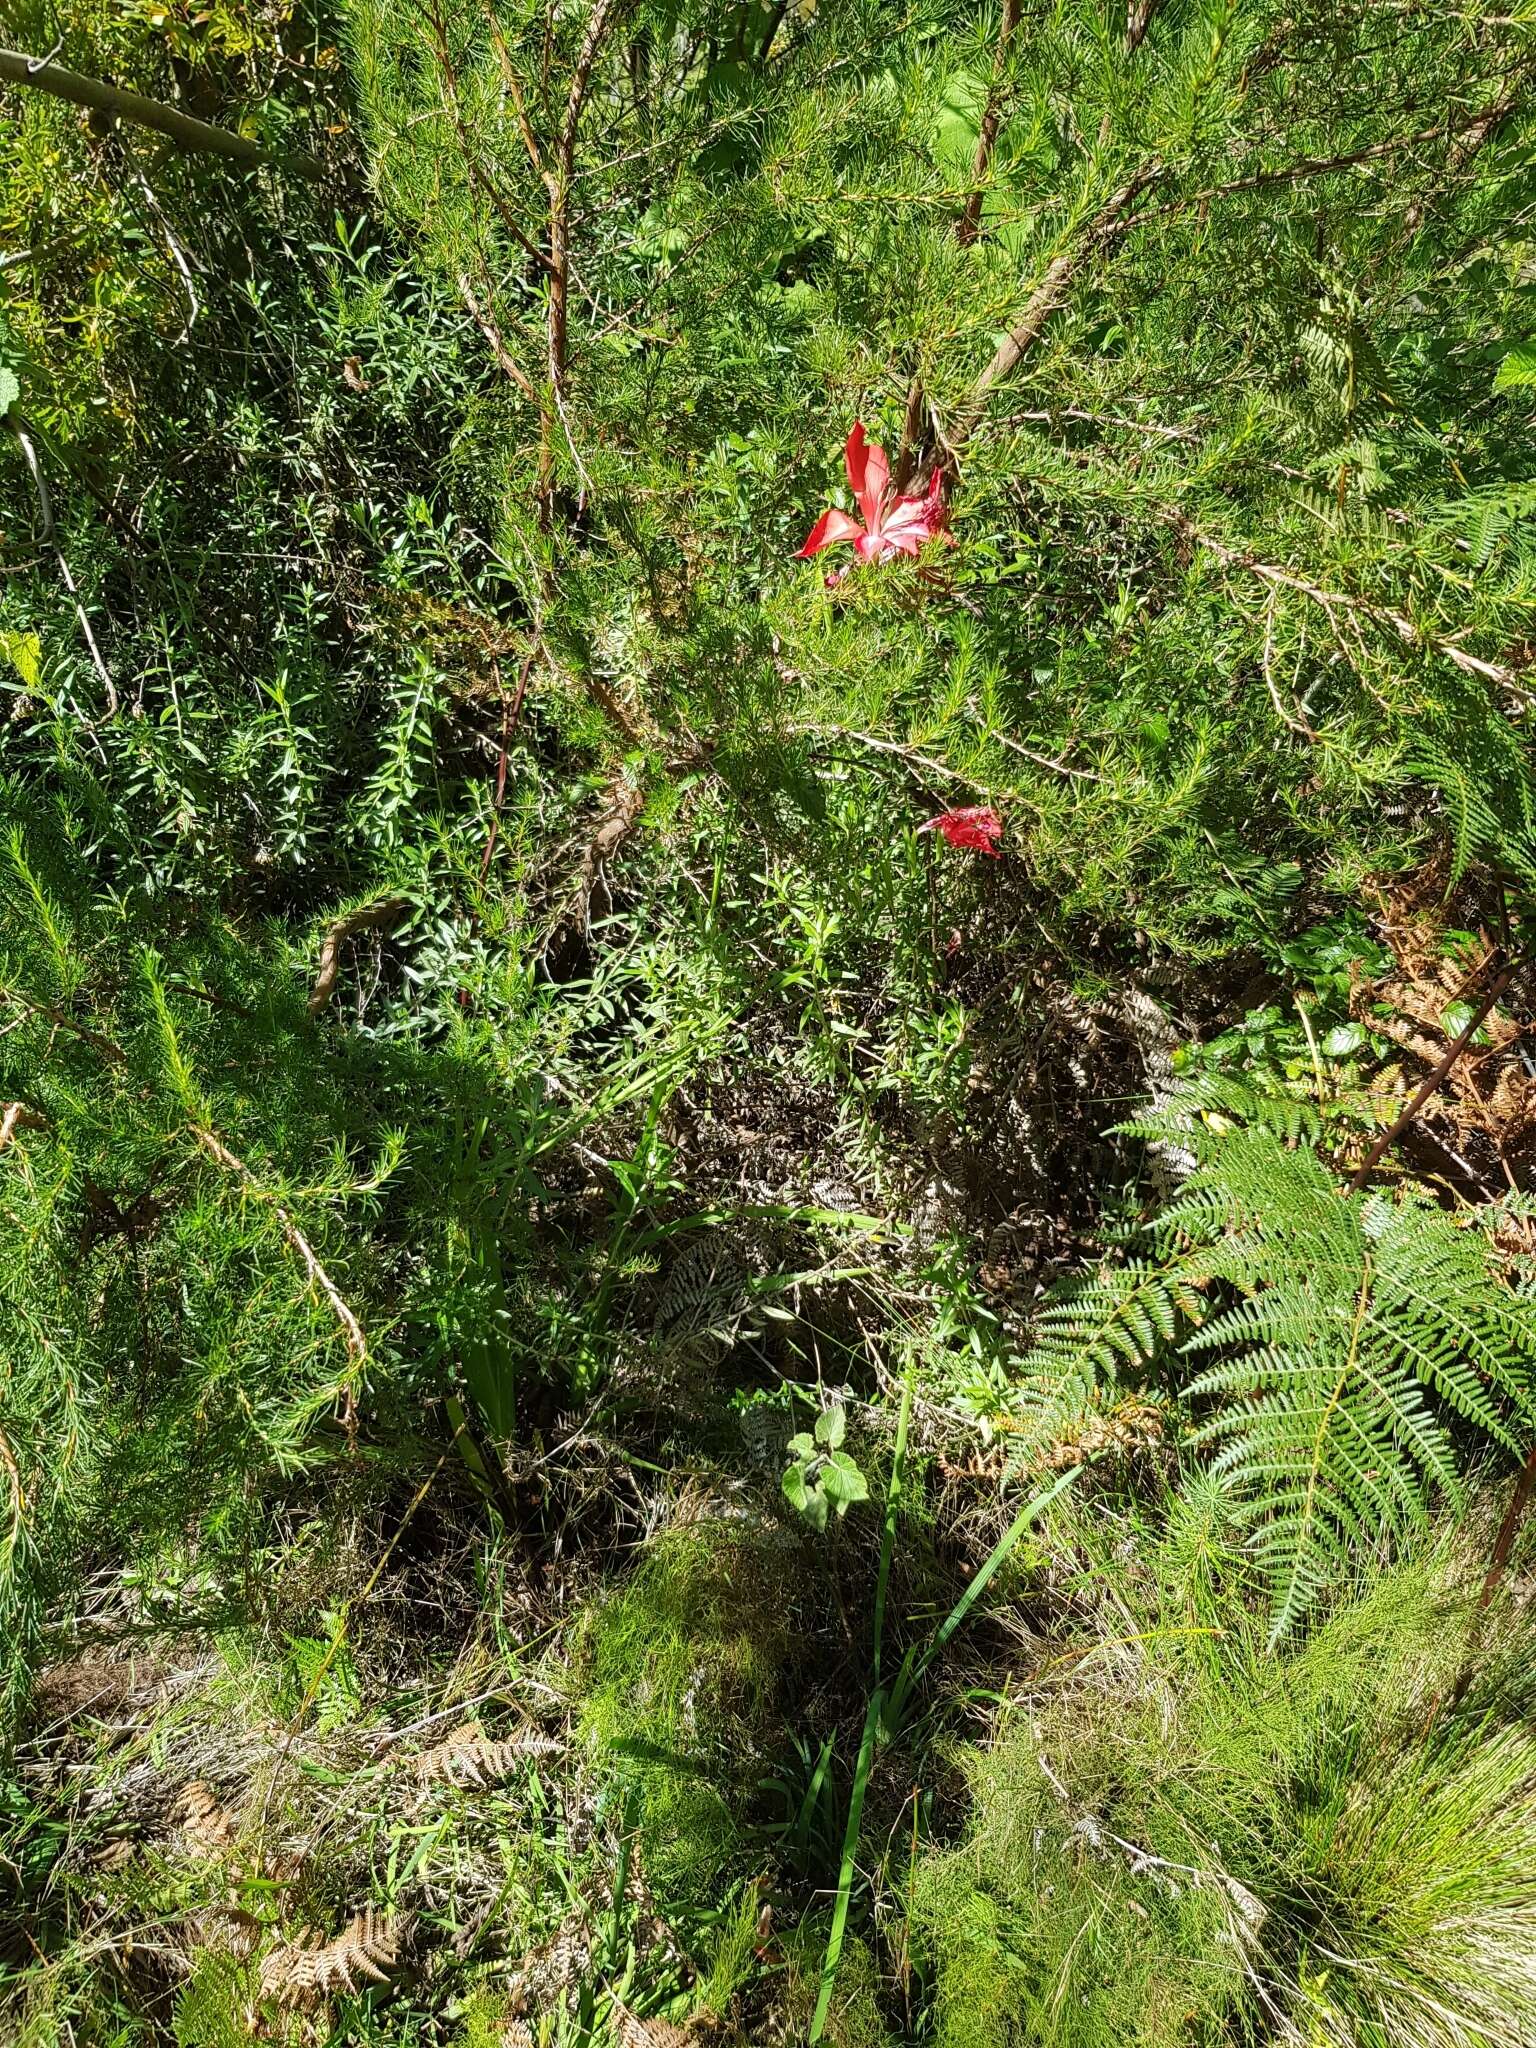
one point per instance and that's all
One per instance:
(105, 1046)
(1478, 125)
(384, 911)
(483, 319)
(1436, 1075)
(1402, 625)
(320, 1279)
(47, 536)
(991, 120)
(1107, 226)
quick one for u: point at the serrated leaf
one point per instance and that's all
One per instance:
(1518, 367)
(24, 652)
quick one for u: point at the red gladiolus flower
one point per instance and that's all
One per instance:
(976, 829)
(892, 525)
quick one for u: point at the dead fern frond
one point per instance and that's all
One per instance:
(547, 1972)
(229, 1929)
(634, 2032)
(206, 1824)
(468, 1761)
(517, 2034)
(304, 1971)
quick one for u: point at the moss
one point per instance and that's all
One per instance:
(687, 1668)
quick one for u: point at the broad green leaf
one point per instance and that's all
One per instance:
(24, 651)
(831, 1427)
(843, 1482)
(1518, 367)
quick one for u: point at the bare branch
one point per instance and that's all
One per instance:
(17, 68)
(387, 910)
(1478, 126)
(485, 321)
(1106, 227)
(47, 536)
(991, 120)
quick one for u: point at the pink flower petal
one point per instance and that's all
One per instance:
(830, 528)
(912, 521)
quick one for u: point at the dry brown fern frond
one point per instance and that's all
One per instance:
(207, 1825)
(302, 1972)
(465, 1758)
(517, 2034)
(547, 1972)
(634, 2032)
(227, 1928)
(114, 1853)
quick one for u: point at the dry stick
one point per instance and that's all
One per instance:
(483, 319)
(986, 140)
(1441, 1068)
(1504, 1542)
(16, 68)
(509, 718)
(351, 1329)
(1498, 1560)
(18, 1491)
(105, 1046)
(478, 176)
(387, 910)
(514, 87)
(1479, 125)
(1473, 664)
(1107, 226)
(19, 1116)
(559, 181)
(1119, 215)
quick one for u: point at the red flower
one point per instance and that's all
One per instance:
(892, 525)
(977, 828)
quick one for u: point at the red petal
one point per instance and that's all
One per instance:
(976, 828)
(869, 473)
(830, 528)
(854, 458)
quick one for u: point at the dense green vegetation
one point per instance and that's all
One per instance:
(757, 1297)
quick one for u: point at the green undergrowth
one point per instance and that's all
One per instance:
(1177, 1837)
(689, 1669)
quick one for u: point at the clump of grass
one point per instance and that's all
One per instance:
(687, 1669)
(1184, 1838)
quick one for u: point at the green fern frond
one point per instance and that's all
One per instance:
(1346, 1345)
